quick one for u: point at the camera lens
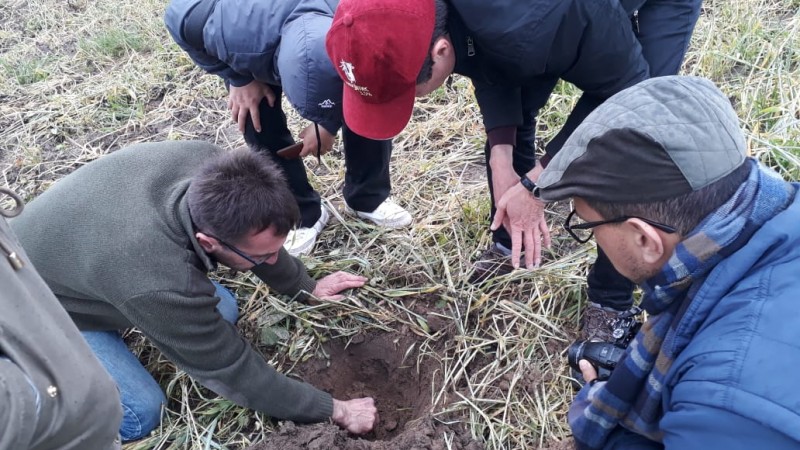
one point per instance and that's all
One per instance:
(575, 353)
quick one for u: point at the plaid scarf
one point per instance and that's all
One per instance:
(631, 397)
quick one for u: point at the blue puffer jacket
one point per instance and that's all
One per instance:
(277, 42)
(735, 385)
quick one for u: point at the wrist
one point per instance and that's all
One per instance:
(530, 186)
(534, 173)
(501, 157)
(338, 411)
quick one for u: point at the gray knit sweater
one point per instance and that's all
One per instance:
(114, 241)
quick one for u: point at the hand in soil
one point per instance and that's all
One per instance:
(357, 416)
(329, 287)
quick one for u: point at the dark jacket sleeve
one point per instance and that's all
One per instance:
(174, 20)
(287, 276)
(500, 104)
(191, 333)
(513, 44)
(597, 52)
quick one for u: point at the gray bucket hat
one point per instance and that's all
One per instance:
(659, 139)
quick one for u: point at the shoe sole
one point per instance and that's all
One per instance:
(393, 224)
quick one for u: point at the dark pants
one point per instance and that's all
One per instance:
(524, 155)
(366, 181)
(664, 30)
(623, 439)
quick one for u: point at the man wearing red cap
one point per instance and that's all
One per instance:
(266, 49)
(389, 51)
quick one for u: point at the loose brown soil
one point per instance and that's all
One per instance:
(388, 368)
(423, 434)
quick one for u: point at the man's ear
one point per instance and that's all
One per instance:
(648, 241)
(208, 243)
(442, 48)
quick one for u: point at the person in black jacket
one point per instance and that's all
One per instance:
(266, 48)
(514, 53)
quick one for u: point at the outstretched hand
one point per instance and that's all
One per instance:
(519, 212)
(524, 220)
(357, 416)
(244, 101)
(329, 287)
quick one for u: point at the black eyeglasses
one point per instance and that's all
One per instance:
(582, 232)
(244, 255)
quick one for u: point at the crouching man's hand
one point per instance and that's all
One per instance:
(357, 416)
(329, 287)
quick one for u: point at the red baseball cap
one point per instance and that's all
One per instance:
(378, 48)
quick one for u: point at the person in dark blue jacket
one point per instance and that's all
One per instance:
(659, 173)
(266, 48)
(388, 51)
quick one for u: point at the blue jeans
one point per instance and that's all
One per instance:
(142, 398)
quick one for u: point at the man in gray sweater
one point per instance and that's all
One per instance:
(54, 395)
(128, 241)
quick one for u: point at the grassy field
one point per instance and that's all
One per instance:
(83, 78)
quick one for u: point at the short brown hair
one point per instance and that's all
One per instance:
(241, 191)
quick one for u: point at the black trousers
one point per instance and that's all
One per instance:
(366, 182)
(664, 30)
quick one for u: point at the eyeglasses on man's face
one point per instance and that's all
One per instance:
(583, 231)
(250, 259)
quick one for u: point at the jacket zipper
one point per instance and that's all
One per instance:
(470, 47)
(12, 256)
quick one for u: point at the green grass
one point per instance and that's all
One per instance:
(114, 43)
(26, 71)
(84, 78)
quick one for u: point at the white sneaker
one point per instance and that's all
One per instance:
(388, 214)
(300, 241)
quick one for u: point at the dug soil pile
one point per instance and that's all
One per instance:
(387, 367)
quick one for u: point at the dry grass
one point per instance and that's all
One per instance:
(81, 79)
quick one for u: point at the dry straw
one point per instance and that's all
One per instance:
(81, 79)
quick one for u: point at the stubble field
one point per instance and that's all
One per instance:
(459, 365)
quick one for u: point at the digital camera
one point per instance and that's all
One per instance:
(605, 356)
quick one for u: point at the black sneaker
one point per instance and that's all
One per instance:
(493, 262)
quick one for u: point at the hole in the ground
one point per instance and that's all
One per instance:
(379, 365)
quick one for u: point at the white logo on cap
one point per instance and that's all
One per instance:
(347, 68)
(327, 104)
